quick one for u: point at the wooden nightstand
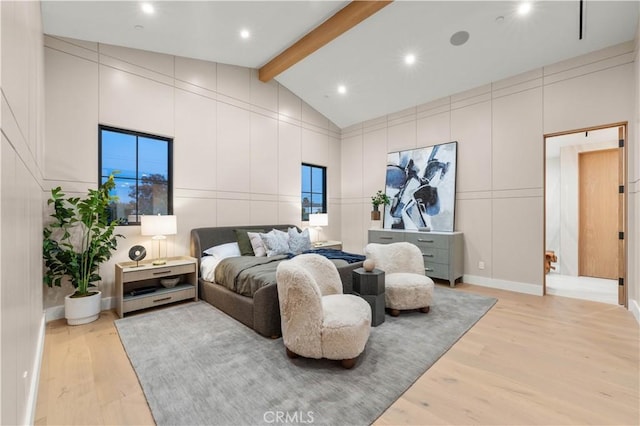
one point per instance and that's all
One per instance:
(131, 279)
(337, 245)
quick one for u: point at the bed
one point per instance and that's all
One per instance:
(260, 312)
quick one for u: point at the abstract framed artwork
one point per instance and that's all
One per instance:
(421, 184)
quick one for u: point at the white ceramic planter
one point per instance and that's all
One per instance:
(82, 310)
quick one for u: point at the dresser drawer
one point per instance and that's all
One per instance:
(162, 272)
(385, 237)
(428, 240)
(157, 299)
(435, 255)
(436, 270)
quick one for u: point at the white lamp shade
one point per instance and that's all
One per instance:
(158, 225)
(318, 219)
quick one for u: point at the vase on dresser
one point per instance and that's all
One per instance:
(375, 213)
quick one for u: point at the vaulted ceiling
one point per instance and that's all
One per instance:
(369, 59)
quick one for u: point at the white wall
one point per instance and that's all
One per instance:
(238, 143)
(21, 119)
(552, 205)
(500, 131)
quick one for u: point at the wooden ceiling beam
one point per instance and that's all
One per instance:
(341, 22)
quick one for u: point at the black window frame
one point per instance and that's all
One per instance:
(138, 134)
(324, 188)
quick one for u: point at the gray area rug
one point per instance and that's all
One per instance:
(198, 366)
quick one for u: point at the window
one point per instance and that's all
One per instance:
(143, 172)
(314, 190)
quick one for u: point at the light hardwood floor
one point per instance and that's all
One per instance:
(530, 360)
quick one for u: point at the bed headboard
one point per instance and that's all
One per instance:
(203, 238)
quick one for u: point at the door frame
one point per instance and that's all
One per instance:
(623, 135)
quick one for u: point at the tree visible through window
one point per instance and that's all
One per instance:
(314, 190)
(142, 164)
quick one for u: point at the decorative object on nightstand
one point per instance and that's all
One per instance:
(317, 221)
(149, 285)
(159, 227)
(370, 286)
(78, 239)
(137, 253)
(376, 200)
(169, 282)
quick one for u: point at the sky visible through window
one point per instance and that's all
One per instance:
(313, 190)
(142, 178)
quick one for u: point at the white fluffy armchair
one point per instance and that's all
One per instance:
(318, 321)
(406, 286)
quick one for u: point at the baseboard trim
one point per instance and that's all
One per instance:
(57, 312)
(518, 287)
(635, 309)
(34, 383)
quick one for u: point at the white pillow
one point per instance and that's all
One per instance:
(276, 242)
(223, 251)
(208, 266)
(299, 241)
(256, 243)
(281, 234)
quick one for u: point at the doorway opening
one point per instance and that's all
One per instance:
(585, 205)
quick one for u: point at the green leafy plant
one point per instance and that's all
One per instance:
(80, 237)
(380, 198)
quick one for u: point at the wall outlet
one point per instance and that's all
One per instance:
(481, 265)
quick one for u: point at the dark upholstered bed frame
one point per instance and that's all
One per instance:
(262, 311)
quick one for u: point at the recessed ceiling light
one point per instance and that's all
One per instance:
(245, 33)
(147, 8)
(524, 8)
(410, 59)
(342, 89)
(459, 38)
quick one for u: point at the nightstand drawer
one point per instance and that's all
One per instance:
(385, 237)
(146, 273)
(428, 240)
(160, 297)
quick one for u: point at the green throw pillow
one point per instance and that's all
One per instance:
(244, 242)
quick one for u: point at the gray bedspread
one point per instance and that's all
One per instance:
(247, 274)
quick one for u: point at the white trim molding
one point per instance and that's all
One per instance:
(635, 309)
(34, 382)
(57, 312)
(518, 287)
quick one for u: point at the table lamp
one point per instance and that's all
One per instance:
(317, 221)
(159, 227)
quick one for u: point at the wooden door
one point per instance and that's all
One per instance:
(598, 251)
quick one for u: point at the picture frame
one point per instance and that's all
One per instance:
(421, 184)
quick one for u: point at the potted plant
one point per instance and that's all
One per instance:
(379, 198)
(80, 238)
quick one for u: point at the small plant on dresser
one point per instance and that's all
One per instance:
(376, 200)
